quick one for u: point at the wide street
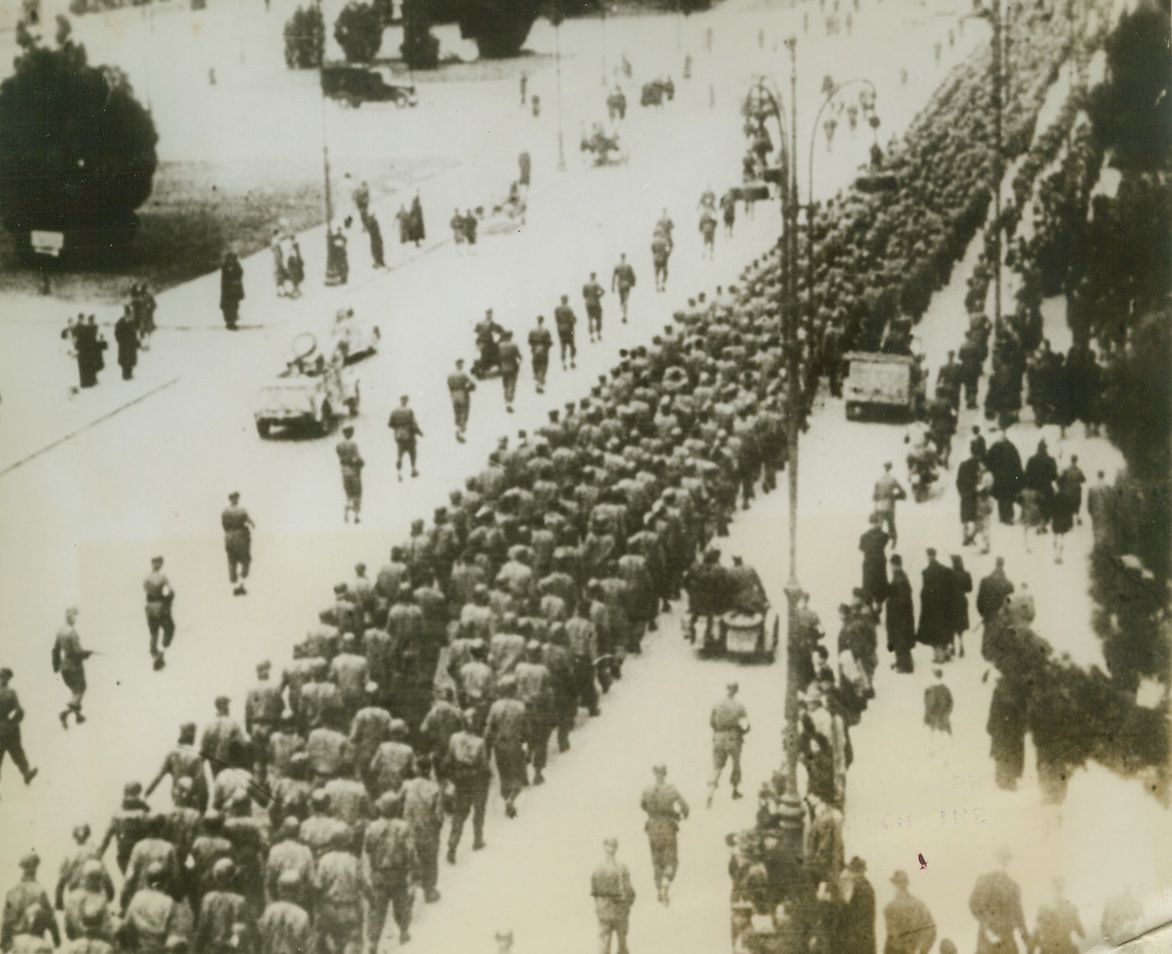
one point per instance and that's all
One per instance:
(81, 520)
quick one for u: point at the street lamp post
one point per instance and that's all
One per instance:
(325, 155)
(556, 14)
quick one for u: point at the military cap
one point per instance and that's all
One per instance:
(30, 861)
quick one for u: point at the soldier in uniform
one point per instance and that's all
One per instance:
(565, 320)
(540, 345)
(351, 462)
(337, 907)
(223, 908)
(284, 927)
(184, 762)
(466, 768)
(622, 281)
(592, 293)
(504, 737)
(19, 904)
(535, 691)
(460, 387)
(159, 599)
(510, 360)
(128, 826)
(730, 724)
(151, 916)
(69, 662)
(406, 428)
(238, 527)
(613, 893)
(423, 812)
(389, 869)
(289, 857)
(263, 708)
(11, 715)
(665, 807)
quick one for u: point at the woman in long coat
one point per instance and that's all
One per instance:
(936, 608)
(901, 617)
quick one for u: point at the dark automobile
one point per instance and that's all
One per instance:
(354, 85)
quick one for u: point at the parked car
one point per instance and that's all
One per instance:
(354, 85)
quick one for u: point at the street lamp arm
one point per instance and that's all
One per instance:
(831, 97)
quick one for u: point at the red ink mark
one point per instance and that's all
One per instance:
(923, 862)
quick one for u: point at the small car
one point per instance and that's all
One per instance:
(354, 85)
(312, 392)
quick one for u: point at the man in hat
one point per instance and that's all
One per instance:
(159, 599)
(665, 808)
(911, 928)
(460, 388)
(406, 429)
(69, 662)
(857, 924)
(937, 602)
(996, 904)
(20, 902)
(351, 462)
(730, 725)
(11, 715)
(613, 893)
(504, 736)
(238, 527)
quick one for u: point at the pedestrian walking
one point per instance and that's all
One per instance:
(424, 814)
(938, 705)
(280, 273)
(406, 429)
(996, 904)
(524, 88)
(89, 345)
(708, 233)
(886, 493)
(622, 281)
(665, 808)
(509, 355)
(540, 345)
(962, 586)
(337, 257)
(968, 475)
(592, 293)
(11, 716)
(730, 725)
(911, 929)
(937, 599)
(375, 233)
(873, 546)
(159, 600)
(504, 737)
(728, 209)
(614, 895)
(294, 269)
(525, 168)
(565, 320)
(231, 289)
(1004, 463)
(27, 909)
(351, 463)
(127, 340)
(460, 388)
(467, 774)
(901, 617)
(68, 659)
(238, 527)
(417, 232)
(390, 867)
(143, 307)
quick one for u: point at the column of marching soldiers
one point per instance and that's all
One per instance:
(483, 637)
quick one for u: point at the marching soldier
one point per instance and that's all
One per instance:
(504, 737)
(406, 428)
(159, 599)
(69, 662)
(128, 827)
(534, 690)
(460, 387)
(730, 724)
(510, 359)
(389, 868)
(565, 320)
(184, 762)
(11, 715)
(284, 927)
(613, 893)
(466, 766)
(592, 293)
(622, 281)
(665, 807)
(351, 462)
(424, 813)
(238, 527)
(263, 708)
(540, 345)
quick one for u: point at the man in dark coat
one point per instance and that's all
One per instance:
(901, 617)
(1041, 473)
(1004, 463)
(231, 289)
(126, 337)
(967, 478)
(857, 924)
(936, 607)
(873, 545)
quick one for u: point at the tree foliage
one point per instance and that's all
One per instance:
(420, 50)
(359, 31)
(1132, 110)
(305, 38)
(499, 27)
(77, 150)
